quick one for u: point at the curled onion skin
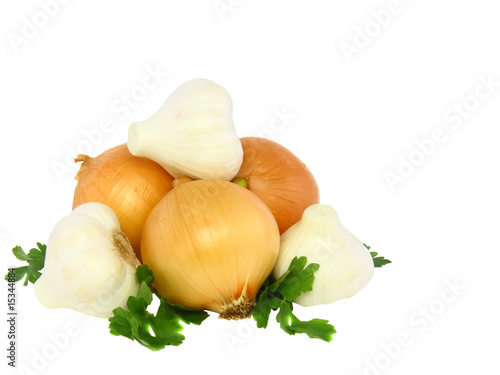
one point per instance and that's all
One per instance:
(211, 245)
(130, 185)
(279, 178)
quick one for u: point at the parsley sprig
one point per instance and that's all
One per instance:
(36, 261)
(154, 331)
(279, 295)
(377, 261)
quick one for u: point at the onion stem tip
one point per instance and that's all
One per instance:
(238, 309)
(241, 182)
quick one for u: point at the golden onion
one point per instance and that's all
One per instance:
(211, 245)
(279, 178)
(130, 185)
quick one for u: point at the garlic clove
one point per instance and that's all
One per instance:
(346, 266)
(192, 133)
(89, 264)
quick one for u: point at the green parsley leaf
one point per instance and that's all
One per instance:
(315, 328)
(280, 294)
(189, 315)
(265, 304)
(377, 261)
(297, 279)
(143, 273)
(145, 293)
(166, 325)
(36, 261)
(152, 331)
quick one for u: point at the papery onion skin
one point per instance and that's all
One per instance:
(211, 245)
(130, 185)
(279, 178)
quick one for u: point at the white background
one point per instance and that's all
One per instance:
(355, 117)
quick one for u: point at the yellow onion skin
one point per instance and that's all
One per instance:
(130, 185)
(279, 178)
(211, 245)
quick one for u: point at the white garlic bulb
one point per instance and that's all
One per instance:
(192, 133)
(345, 264)
(89, 264)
